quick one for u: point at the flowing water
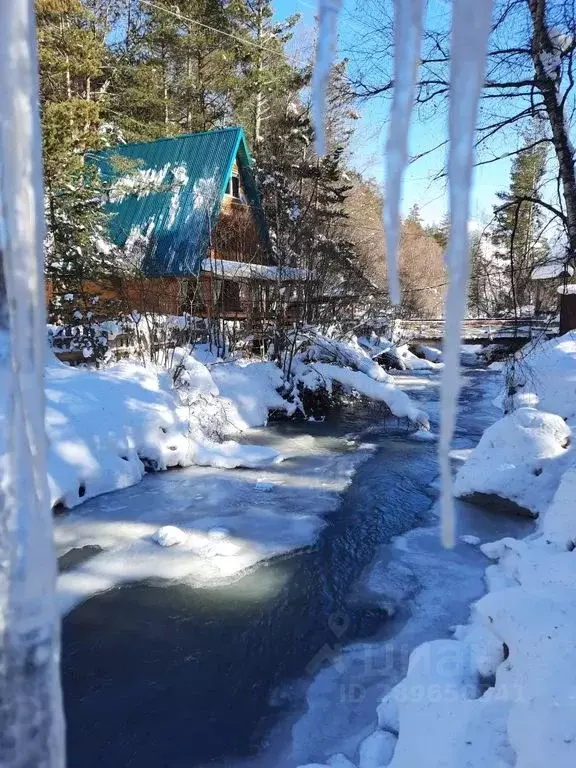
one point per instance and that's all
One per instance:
(168, 676)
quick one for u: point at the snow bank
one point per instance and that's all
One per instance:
(521, 458)
(105, 427)
(545, 377)
(502, 693)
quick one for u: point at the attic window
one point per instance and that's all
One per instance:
(233, 187)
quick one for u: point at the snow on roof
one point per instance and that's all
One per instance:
(240, 269)
(551, 270)
(567, 289)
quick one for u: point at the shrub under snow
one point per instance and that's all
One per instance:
(320, 361)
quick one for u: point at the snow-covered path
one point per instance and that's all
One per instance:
(280, 667)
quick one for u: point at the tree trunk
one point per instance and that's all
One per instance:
(259, 103)
(547, 84)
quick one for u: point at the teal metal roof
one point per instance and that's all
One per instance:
(173, 198)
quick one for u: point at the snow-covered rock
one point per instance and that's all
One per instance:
(414, 363)
(520, 458)
(430, 353)
(377, 750)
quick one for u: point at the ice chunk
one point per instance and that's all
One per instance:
(170, 536)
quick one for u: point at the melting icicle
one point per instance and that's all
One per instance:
(469, 39)
(30, 701)
(327, 17)
(407, 41)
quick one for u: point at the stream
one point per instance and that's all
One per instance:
(272, 670)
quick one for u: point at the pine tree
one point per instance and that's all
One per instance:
(71, 52)
(440, 232)
(414, 216)
(519, 223)
(70, 56)
(265, 75)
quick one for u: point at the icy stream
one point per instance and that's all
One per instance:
(285, 665)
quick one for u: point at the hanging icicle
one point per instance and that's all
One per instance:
(327, 19)
(469, 40)
(407, 43)
(30, 699)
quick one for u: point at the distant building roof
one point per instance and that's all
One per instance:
(551, 270)
(169, 201)
(242, 270)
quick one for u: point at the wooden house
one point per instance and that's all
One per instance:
(548, 278)
(187, 215)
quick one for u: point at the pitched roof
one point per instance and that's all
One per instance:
(172, 197)
(551, 270)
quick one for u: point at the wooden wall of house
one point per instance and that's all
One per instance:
(158, 295)
(236, 236)
(567, 312)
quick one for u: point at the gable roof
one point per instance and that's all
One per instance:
(172, 198)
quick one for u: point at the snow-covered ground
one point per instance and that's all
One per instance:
(106, 426)
(523, 456)
(502, 690)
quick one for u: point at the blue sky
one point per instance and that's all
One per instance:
(368, 147)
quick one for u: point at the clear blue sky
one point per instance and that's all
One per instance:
(368, 146)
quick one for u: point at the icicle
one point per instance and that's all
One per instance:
(407, 41)
(327, 17)
(469, 39)
(30, 701)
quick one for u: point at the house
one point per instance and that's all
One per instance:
(185, 211)
(548, 278)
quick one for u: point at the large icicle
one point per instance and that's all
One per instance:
(30, 700)
(327, 19)
(469, 39)
(407, 44)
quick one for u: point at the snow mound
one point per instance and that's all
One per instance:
(520, 458)
(107, 427)
(249, 392)
(545, 378)
(430, 353)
